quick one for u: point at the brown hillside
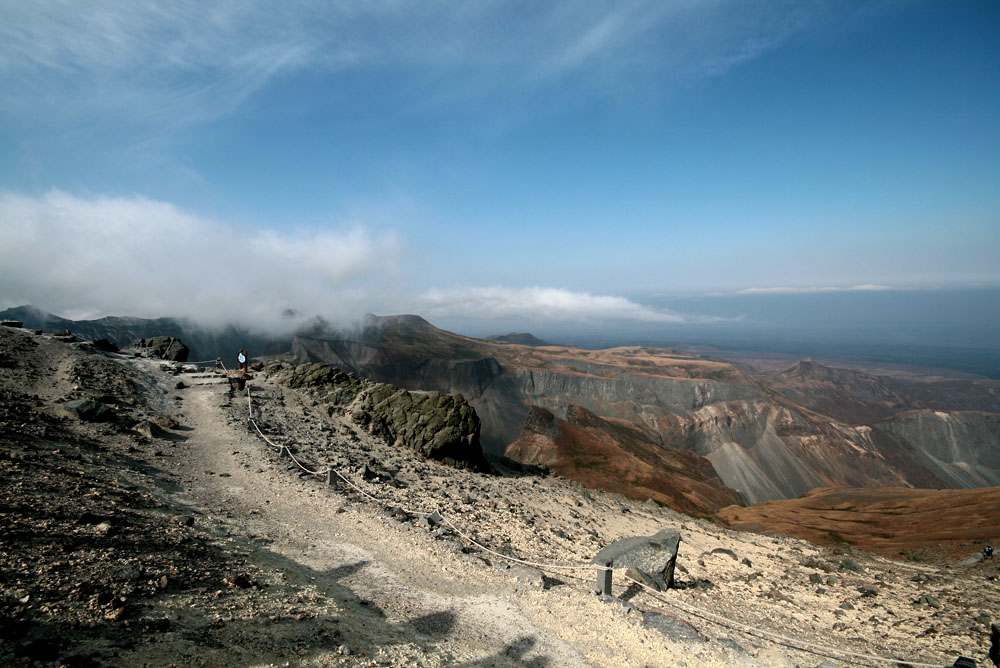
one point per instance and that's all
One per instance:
(620, 457)
(894, 521)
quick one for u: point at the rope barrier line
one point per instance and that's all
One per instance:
(771, 635)
(444, 518)
(794, 643)
(568, 567)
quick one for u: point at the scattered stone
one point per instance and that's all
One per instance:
(241, 580)
(149, 429)
(670, 625)
(833, 580)
(778, 595)
(164, 421)
(89, 410)
(432, 520)
(868, 592)
(851, 565)
(815, 578)
(105, 346)
(931, 600)
(746, 562)
(16, 324)
(727, 552)
(532, 578)
(847, 605)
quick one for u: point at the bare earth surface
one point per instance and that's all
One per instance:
(198, 544)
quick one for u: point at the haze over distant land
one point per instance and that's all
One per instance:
(812, 178)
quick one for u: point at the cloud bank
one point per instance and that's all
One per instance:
(137, 256)
(812, 290)
(545, 305)
(85, 257)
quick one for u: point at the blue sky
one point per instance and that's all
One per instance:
(494, 161)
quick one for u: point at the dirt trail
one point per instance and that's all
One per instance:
(400, 597)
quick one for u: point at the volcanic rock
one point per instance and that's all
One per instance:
(654, 555)
(160, 347)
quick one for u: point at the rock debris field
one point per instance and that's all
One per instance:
(146, 523)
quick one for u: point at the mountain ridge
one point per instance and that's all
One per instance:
(767, 436)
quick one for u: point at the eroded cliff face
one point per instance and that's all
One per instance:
(962, 448)
(623, 457)
(759, 440)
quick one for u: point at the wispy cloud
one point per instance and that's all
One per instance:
(812, 290)
(543, 304)
(188, 62)
(136, 256)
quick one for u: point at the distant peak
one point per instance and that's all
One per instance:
(404, 321)
(519, 338)
(807, 367)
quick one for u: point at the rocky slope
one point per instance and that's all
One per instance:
(857, 397)
(197, 543)
(761, 443)
(204, 343)
(768, 436)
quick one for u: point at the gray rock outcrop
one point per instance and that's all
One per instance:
(89, 410)
(437, 425)
(654, 556)
(160, 347)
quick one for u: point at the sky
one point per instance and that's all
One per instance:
(664, 163)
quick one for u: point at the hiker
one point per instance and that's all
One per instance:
(242, 358)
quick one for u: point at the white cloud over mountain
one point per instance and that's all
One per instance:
(92, 256)
(539, 303)
(136, 256)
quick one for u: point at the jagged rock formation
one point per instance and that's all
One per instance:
(437, 425)
(160, 347)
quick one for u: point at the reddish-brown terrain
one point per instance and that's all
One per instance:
(893, 521)
(620, 457)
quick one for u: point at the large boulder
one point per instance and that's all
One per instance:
(160, 347)
(437, 425)
(653, 556)
(89, 410)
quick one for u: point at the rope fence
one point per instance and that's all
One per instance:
(794, 643)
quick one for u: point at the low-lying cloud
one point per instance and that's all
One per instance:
(137, 256)
(86, 257)
(812, 290)
(541, 304)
